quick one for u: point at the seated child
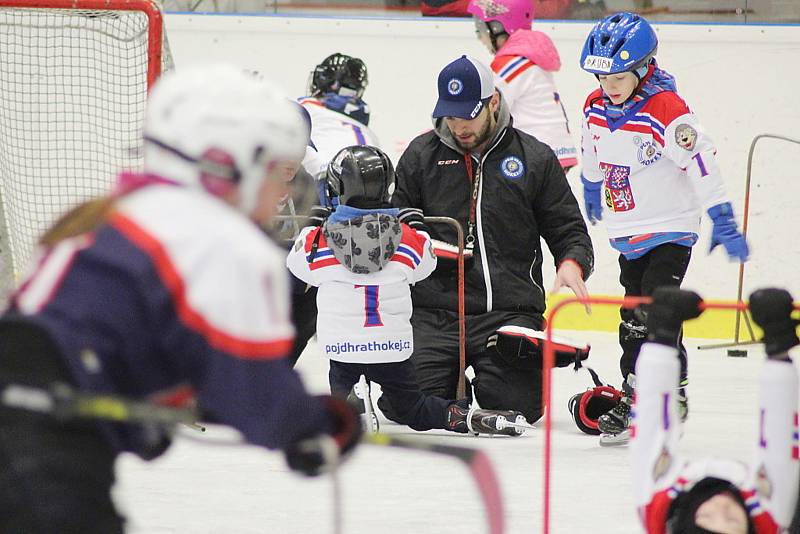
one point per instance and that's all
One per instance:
(363, 261)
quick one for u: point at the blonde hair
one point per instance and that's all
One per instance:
(84, 218)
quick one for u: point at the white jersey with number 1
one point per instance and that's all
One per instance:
(363, 318)
(332, 131)
(656, 164)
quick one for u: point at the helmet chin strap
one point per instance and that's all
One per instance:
(496, 30)
(641, 72)
(206, 165)
(171, 149)
(217, 177)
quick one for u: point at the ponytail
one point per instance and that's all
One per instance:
(84, 218)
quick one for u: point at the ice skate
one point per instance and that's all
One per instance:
(360, 398)
(355, 400)
(479, 421)
(614, 425)
(683, 401)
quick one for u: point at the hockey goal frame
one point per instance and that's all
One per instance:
(148, 7)
(158, 58)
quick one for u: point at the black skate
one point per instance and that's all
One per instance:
(683, 400)
(615, 424)
(480, 421)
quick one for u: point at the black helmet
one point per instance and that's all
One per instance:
(361, 177)
(682, 511)
(340, 74)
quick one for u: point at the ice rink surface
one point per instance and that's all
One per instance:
(198, 488)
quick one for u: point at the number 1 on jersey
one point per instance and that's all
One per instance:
(372, 316)
(360, 139)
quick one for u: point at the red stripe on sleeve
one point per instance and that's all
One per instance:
(597, 121)
(403, 259)
(172, 280)
(500, 62)
(327, 262)
(519, 71)
(413, 239)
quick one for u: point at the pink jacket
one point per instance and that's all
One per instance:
(534, 45)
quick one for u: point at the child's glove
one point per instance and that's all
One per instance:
(670, 308)
(726, 233)
(591, 200)
(414, 218)
(771, 309)
(322, 453)
(318, 215)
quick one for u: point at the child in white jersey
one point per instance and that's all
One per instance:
(339, 115)
(714, 495)
(646, 154)
(523, 67)
(363, 260)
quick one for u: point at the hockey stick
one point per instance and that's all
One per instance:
(462, 322)
(476, 460)
(63, 402)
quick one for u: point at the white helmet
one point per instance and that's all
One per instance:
(216, 128)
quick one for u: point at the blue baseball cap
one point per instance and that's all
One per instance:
(465, 87)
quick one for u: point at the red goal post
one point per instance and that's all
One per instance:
(74, 77)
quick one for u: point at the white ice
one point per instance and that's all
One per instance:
(197, 488)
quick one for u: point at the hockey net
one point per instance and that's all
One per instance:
(74, 76)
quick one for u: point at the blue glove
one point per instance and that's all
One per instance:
(726, 233)
(591, 200)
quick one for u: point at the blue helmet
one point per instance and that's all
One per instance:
(621, 42)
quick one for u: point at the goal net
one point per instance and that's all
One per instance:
(74, 75)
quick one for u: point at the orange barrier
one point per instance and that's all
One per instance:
(549, 361)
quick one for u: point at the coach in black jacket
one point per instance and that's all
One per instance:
(508, 191)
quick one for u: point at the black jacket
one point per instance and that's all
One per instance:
(523, 196)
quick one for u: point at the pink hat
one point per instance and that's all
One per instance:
(512, 14)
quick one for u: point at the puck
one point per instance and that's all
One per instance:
(737, 353)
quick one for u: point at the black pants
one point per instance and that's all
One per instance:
(497, 386)
(55, 477)
(304, 317)
(665, 265)
(409, 405)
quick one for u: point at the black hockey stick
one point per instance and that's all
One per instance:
(475, 459)
(63, 402)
